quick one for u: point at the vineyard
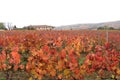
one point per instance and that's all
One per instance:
(60, 55)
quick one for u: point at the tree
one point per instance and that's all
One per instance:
(118, 28)
(2, 26)
(100, 28)
(9, 26)
(111, 28)
(31, 28)
(14, 27)
(105, 28)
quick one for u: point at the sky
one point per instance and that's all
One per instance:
(58, 12)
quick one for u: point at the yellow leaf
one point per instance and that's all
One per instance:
(30, 78)
(66, 72)
(82, 71)
(33, 72)
(40, 64)
(113, 76)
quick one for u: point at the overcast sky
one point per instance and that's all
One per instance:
(58, 12)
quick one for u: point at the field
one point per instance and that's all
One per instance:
(60, 55)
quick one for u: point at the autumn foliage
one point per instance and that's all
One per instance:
(61, 55)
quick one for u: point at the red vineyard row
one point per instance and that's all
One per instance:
(57, 55)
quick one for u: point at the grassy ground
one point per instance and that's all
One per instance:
(15, 76)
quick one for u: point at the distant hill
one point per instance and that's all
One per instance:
(91, 26)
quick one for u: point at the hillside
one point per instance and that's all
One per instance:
(114, 24)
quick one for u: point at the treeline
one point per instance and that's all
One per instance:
(107, 28)
(2, 26)
(8, 27)
(14, 27)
